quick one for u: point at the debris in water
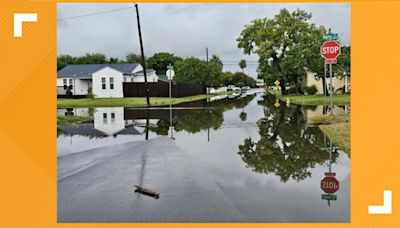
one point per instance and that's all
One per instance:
(147, 192)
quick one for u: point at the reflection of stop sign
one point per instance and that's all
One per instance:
(329, 184)
(330, 50)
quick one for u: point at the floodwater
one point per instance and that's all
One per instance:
(233, 159)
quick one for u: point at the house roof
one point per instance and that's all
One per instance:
(86, 70)
(163, 77)
(82, 129)
(148, 71)
(130, 130)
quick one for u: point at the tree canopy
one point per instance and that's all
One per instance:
(160, 61)
(133, 58)
(285, 44)
(242, 64)
(194, 70)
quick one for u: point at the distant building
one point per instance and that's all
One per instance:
(340, 85)
(260, 83)
(102, 80)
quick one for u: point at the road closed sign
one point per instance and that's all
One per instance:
(329, 184)
(330, 50)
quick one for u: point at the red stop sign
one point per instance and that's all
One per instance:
(329, 184)
(330, 49)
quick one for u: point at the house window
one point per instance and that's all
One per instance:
(104, 118)
(111, 83)
(103, 83)
(112, 117)
(70, 82)
(65, 83)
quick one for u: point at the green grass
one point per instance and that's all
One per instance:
(338, 99)
(127, 102)
(339, 134)
(337, 128)
(329, 119)
(73, 119)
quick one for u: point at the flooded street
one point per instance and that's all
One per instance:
(231, 159)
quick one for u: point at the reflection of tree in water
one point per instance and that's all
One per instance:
(198, 120)
(287, 148)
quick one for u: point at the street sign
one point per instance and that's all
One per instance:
(328, 197)
(332, 36)
(330, 50)
(330, 61)
(329, 184)
(277, 83)
(170, 74)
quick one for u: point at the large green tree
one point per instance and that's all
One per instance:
(194, 70)
(133, 58)
(160, 61)
(284, 44)
(216, 59)
(64, 60)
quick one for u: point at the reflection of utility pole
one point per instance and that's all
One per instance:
(143, 59)
(147, 124)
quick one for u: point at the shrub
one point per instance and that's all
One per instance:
(311, 90)
(295, 90)
(90, 95)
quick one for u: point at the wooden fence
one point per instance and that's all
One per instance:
(161, 89)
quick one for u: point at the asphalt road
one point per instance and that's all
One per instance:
(98, 186)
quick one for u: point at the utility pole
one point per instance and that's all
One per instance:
(142, 53)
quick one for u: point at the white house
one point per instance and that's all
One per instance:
(103, 80)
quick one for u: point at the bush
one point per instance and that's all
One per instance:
(310, 90)
(295, 90)
(90, 95)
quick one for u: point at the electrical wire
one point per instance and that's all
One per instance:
(94, 14)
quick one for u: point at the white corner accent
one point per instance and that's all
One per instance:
(387, 205)
(22, 17)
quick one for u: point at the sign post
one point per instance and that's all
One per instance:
(170, 74)
(330, 50)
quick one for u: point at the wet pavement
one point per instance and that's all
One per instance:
(223, 166)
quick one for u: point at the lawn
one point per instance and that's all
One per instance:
(126, 102)
(338, 99)
(73, 119)
(337, 128)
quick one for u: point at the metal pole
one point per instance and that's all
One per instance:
(330, 74)
(330, 155)
(208, 129)
(170, 108)
(324, 86)
(142, 53)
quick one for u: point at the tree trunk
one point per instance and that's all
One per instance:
(283, 88)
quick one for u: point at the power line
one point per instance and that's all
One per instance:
(94, 14)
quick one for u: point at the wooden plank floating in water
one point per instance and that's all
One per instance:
(147, 192)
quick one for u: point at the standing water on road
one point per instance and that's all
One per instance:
(233, 159)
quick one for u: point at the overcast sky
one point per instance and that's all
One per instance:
(183, 29)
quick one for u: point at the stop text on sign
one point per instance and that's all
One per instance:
(330, 50)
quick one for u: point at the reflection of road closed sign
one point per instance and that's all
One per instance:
(277, 103)
(329, 184)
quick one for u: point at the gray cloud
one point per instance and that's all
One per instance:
(184, 29)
